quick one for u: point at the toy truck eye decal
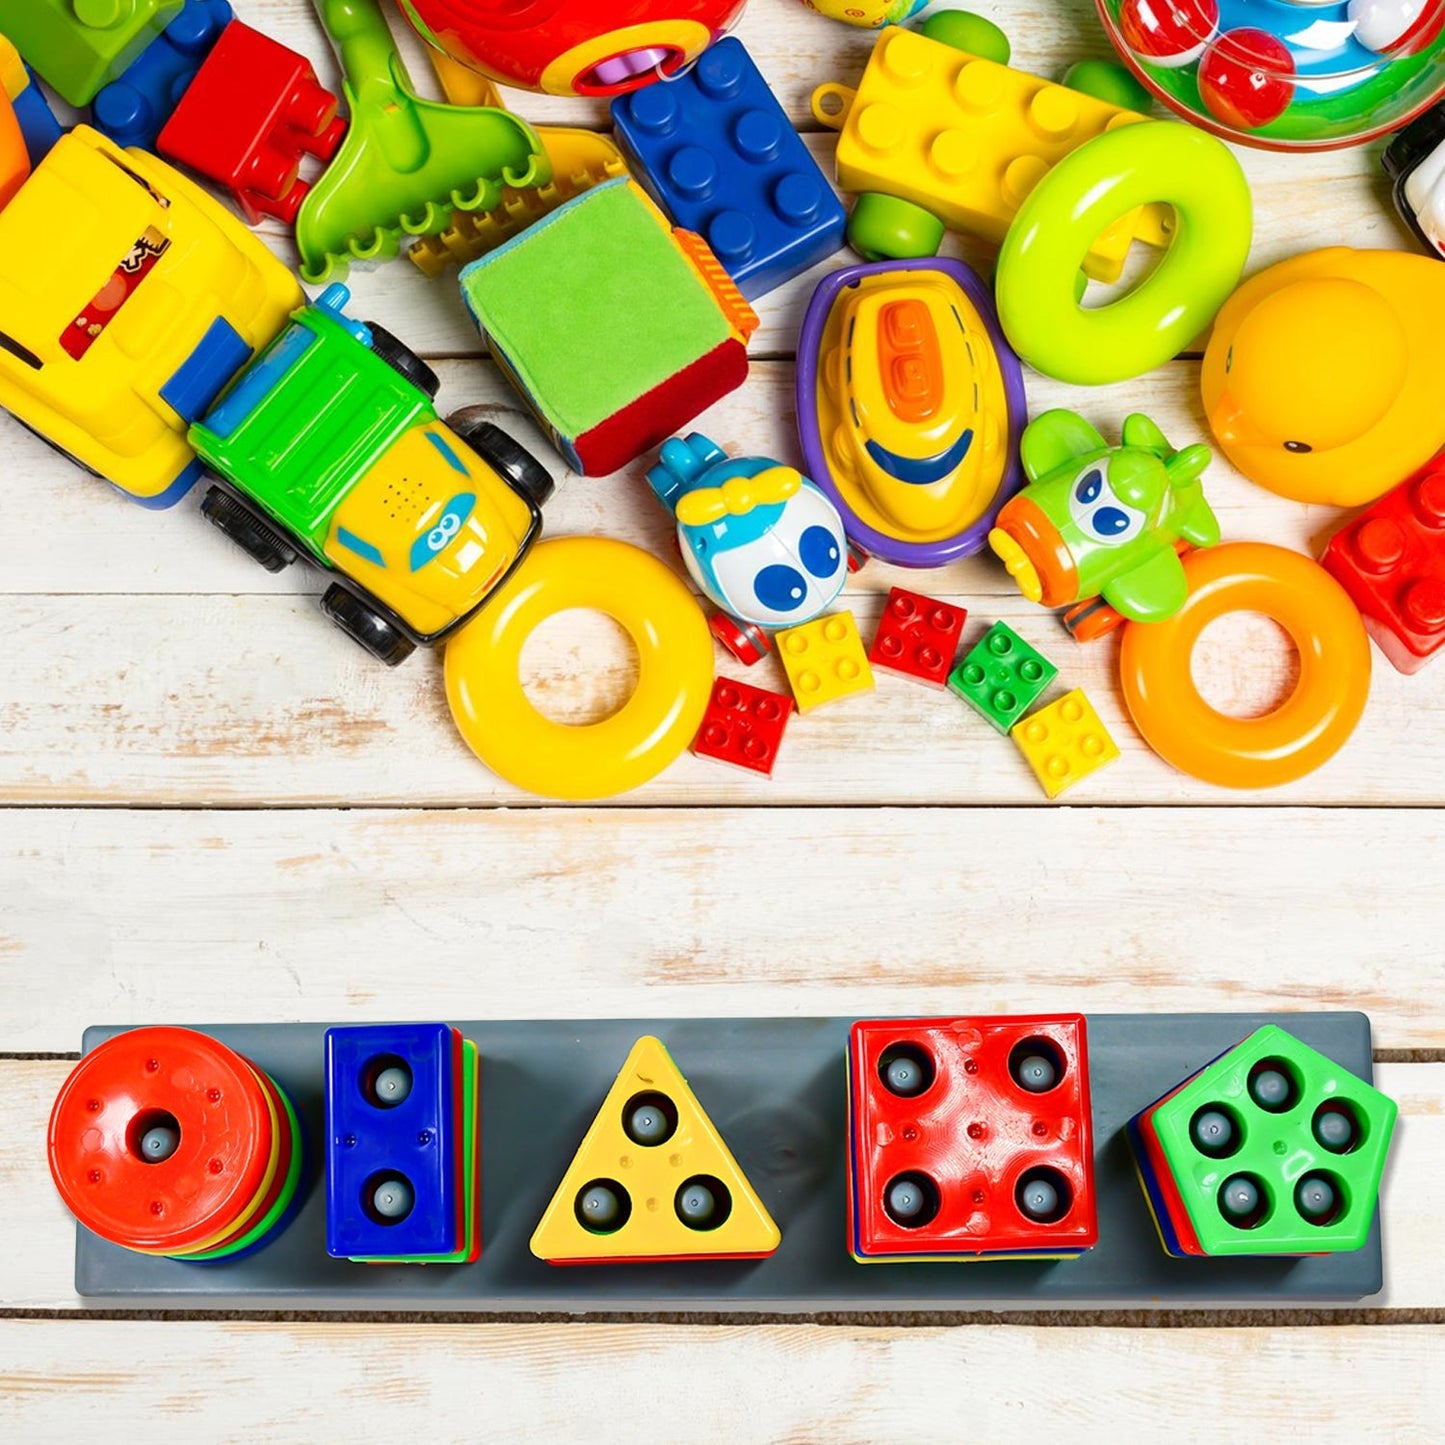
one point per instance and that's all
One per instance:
(443, 531)
(1098, 513)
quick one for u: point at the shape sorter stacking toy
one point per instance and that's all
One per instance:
(1271, 1149)
(970, 1138)
(403, 1184)
(652, 333)
(684, 1196)
(721, 157)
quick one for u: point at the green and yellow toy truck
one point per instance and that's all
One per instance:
(329, 446)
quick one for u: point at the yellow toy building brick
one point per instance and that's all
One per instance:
(967, 139)
(1065, 742)
(824, 659)
(653, 1180)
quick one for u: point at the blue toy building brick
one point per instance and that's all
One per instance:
(721, 157)
(134, 108)
(415, 1140)
(38, 124)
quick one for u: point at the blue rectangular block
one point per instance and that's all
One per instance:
(719, 155)
(370, 1143)
(134, 108)
(37, 121)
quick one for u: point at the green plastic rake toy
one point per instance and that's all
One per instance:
(407, 164)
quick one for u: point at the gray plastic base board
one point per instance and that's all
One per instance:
(775, 1088)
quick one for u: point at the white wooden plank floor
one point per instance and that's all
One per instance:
(214, 808)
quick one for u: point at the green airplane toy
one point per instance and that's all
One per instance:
(1102, 521)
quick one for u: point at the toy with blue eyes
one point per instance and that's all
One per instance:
(759, 539)
(1102, 521)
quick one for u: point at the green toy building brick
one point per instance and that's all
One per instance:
(1275, 1149)
(1002, 677)
(77, 46)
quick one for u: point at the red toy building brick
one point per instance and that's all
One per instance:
(917, 637)
(253, 112)
(743, 725)
(1391, 560)
(970, 1134)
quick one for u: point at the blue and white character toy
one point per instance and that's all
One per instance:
(760, 540)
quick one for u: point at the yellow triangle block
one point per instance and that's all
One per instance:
(653, 1180)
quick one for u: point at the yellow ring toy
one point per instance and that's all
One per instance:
(1308, 728)
(597, 760)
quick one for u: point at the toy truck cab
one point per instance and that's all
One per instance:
(128, 301)
(329, 446)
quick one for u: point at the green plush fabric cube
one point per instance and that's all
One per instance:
(595, 308)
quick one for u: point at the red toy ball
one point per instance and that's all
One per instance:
(573, 47)
(1168, 32)
(1246, 79)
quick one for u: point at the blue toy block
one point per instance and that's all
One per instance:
(38, 124)
(378, 1136)
(134, 108)
(719, 154)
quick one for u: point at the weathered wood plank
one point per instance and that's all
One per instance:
(250, 701)
(779, 1383)
(122, 917)
(62, 532)
(784, 1382)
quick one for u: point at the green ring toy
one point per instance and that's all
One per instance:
(1081, 196)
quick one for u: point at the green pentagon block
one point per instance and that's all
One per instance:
(1002, 678)
(1293, 1149)
(77, 46)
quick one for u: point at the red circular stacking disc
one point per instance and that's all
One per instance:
(136, 1081)
(286, 1142)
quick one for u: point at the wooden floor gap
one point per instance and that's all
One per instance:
(1211, 1319)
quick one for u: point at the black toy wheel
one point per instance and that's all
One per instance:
(507, 457)
(404, 361)
(253, 535)
(365, 625)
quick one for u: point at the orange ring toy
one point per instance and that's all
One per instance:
(1308, 728)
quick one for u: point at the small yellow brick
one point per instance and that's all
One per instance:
(1064, 742)
(824, 659)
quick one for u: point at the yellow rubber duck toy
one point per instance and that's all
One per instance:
(1324, 378)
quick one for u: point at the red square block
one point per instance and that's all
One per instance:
(253, 112)
(970, 1137)
(743, 725)
(1391, 560)
(917, 637)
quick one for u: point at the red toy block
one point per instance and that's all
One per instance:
(254, 111)
(917, 637)
(1391, 560)
(743, 725)
(970, 1137)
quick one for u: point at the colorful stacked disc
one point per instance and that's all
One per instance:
(403, 1183)
(1270, 1149)
(166, 1142)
